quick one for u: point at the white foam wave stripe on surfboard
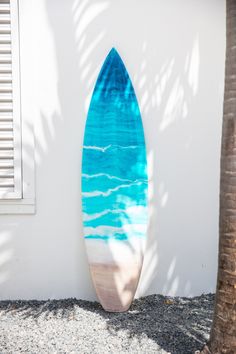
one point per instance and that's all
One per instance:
(104, 230)
(110, 191)
(112, 177)
(105, 148)
(130, 212)
(116, 252)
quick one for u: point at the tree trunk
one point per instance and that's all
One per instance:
(223, 331)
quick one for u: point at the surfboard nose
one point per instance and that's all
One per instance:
(113, 51)
(114, 54)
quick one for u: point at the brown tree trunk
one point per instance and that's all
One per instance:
(223, 332)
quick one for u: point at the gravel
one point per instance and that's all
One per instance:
(154, 324)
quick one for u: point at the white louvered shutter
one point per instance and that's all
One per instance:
(10, 121)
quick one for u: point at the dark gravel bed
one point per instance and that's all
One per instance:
(154, 324)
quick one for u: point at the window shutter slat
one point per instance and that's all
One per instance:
(6, 164)
(10, 125)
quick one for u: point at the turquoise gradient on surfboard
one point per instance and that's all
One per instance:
(114, 166)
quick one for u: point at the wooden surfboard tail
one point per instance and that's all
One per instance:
(116, 284)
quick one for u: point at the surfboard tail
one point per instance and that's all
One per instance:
(116, 284)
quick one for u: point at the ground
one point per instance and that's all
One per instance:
(154, 324)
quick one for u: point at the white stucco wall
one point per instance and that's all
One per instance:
(174, 53)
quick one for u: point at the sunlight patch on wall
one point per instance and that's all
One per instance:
(192, 66)
(47, 98)
(187, 289)
(164, 199)
(84, 15)
(171, 269)
(4, 238)
(171, 287)
(174, 105)
(6, 254)
(88, 16)
(90, 48)
(163, 194)
(150, 259)
(174, 286)
(162, 79)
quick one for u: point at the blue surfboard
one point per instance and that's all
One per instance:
(114, 186)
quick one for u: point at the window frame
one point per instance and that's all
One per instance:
(22, 201)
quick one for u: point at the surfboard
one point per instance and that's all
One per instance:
(114, 187)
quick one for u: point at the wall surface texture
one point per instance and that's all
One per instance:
(174, 53)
